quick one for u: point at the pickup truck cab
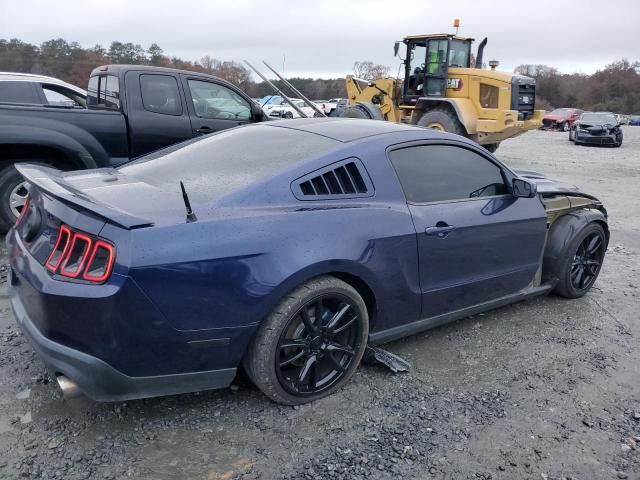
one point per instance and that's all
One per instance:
(131, 110)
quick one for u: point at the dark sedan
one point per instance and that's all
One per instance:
(293, 245)
(596, 128)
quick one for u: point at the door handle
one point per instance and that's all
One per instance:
(441, 230)
(204, 129)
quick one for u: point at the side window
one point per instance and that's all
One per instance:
(160, 94)
(110, 92)
(436, 56)
(104, 91)
(61, 96)
(19, 92)
(434, 173)
(488, 96)
(92, 91)
(211, 100)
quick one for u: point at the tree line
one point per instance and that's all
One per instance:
(70, 62)
(615, 88)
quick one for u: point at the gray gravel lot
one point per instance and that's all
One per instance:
(545, 389)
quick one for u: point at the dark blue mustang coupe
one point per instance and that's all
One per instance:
(291, 246)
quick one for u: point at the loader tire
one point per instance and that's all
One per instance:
(491, 147)
(442, 120)
(354, 112)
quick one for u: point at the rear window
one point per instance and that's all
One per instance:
(19, 92)
(221, 163)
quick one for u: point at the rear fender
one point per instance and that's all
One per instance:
(71, 149)
(329, 267)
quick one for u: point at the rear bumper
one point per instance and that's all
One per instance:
(99, 380)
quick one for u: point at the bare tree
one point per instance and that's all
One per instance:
(370, 71)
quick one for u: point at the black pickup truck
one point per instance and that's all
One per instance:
(130, 110)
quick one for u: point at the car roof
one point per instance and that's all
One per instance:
(119, 68)
(351, 129)
(31, 77)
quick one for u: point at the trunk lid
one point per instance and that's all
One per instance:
(107, 193)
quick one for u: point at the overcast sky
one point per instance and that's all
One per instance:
(324, 37)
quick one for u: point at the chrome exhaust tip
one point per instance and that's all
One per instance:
(69, 388)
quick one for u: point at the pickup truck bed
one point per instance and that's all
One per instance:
(131, 110)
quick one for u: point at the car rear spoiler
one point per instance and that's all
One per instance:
(52, 181)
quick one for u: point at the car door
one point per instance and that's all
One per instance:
(155, 113)
(214, 106)
(476, 241)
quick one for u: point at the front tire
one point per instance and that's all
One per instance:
(581, 261)
(565, 127)
(311, 343)
(13, 195)
(442, 120)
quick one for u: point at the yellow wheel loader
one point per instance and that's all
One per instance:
(441, 90)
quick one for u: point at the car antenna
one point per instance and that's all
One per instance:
(191, 217)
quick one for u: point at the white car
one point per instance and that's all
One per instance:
(284, 110)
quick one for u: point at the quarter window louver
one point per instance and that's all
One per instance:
(345, 179)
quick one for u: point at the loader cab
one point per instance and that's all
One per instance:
(427, 64)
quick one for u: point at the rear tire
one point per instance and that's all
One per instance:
(287, 115)
(581, 261)
(354, 112)
(491, 147)
(12, 195)
(565, 127)
(288, 374)
(443, 120)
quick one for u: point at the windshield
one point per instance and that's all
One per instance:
(221, 163)
(599, 118)
(561, 112)
(459, 53)
(271, 100)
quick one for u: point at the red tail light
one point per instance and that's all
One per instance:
(77, 254)
(25, 207)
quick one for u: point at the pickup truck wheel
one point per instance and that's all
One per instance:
(311, 343)
(13, 195)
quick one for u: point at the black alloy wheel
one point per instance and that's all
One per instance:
(311, 343)
(318, 345)
(587, 261)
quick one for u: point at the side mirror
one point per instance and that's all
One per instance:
(256, 111)
(396, 47)
(523, 189)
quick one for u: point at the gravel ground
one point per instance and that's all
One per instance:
(544, 389)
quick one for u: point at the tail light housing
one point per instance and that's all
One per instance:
(80, 256)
